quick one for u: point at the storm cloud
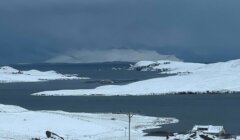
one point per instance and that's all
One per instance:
(39, 31)
(89, 56)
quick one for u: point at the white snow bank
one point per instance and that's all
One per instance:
(9, 75)
(11, 109)
(202, 78)
(23, 124)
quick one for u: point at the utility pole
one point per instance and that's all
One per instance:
(129, 125)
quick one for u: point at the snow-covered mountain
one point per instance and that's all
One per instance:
(9, 75)
(222, 77)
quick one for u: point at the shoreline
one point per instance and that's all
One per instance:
(76, 125)
(48, 93)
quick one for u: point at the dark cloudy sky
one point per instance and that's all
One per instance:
(33, 31)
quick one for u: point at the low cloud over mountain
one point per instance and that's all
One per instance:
(130, 55)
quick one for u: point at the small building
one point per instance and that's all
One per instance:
(209, 129)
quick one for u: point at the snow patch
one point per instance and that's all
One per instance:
(11, 109)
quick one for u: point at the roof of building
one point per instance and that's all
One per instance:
(208, 128)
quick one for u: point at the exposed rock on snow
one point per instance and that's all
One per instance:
(166, 67)
(9, 75)
(17, 123)
(223, 77)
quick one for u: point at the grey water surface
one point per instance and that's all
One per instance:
(215, 109)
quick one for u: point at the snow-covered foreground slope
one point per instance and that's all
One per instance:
(17, 123)
(9, 74)
(195, 78)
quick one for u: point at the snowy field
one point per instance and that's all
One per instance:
(10, 75)
(17, 123)
(223, 77)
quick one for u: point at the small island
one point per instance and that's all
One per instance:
(12, 75)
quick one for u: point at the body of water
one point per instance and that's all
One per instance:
(189, 109)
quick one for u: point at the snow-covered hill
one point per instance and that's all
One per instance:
(177, 67)
(9, 75)
(17, 123)
(167, 67)
(223, 77)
